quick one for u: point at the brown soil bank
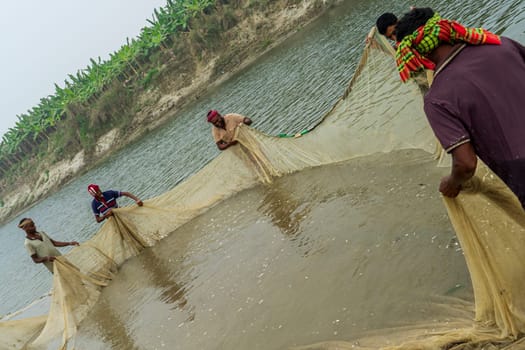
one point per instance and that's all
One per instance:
(217, 45)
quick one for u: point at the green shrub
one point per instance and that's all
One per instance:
(150, 76)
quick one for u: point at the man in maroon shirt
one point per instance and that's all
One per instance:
(476, 104)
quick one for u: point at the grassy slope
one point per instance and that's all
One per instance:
(216, 45)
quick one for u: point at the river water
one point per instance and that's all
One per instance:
(317, 255)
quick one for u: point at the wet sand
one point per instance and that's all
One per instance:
(329, 253)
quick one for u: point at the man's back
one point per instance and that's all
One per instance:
(480, 96)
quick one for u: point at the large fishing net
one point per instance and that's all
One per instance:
(377, 113)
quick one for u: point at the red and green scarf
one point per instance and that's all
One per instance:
(411, 51)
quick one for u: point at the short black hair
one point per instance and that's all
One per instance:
(384, 21)
(412, 20)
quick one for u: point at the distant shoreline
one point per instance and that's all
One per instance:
(282, 23)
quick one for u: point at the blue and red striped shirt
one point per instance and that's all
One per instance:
(99, 208)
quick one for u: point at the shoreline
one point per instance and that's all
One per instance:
(287, 22)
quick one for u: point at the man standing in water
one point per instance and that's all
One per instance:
(103, 202)
(40, 246)
(476, 103)
(223, 129)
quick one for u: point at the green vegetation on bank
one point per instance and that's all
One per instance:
(37, 130)
(181, 37)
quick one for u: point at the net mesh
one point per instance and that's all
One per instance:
(377, 113)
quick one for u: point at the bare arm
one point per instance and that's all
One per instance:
(39, 260)
(222, 145)
(101, 218)
(132, 196)
(464, 162)
(63, 244)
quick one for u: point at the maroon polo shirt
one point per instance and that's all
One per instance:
(479, 97)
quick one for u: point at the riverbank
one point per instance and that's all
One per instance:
(247, 40)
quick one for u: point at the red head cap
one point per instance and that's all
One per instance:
(93, 189)
(212, 114)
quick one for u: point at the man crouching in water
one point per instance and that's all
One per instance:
(223, 129)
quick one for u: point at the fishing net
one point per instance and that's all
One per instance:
(377, 113)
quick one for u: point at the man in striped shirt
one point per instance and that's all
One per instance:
(103, 202)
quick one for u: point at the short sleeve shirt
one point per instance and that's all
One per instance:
(231, 122)
(42, 248)
(100, 208)
(479, 97)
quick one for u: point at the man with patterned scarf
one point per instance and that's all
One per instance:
(476, 104)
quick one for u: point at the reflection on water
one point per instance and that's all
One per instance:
(285, 211)
(159, 276)
(287, 90)
(112, 327)
(327, 253)
(111, 324)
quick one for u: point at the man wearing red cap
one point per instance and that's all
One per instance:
(103, 202)
(223, 129)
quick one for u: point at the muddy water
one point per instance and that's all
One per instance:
(328, 253)
(287, 90)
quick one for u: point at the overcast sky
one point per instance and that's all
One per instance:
(44, 41)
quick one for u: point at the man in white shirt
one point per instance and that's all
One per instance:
(40, 246)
